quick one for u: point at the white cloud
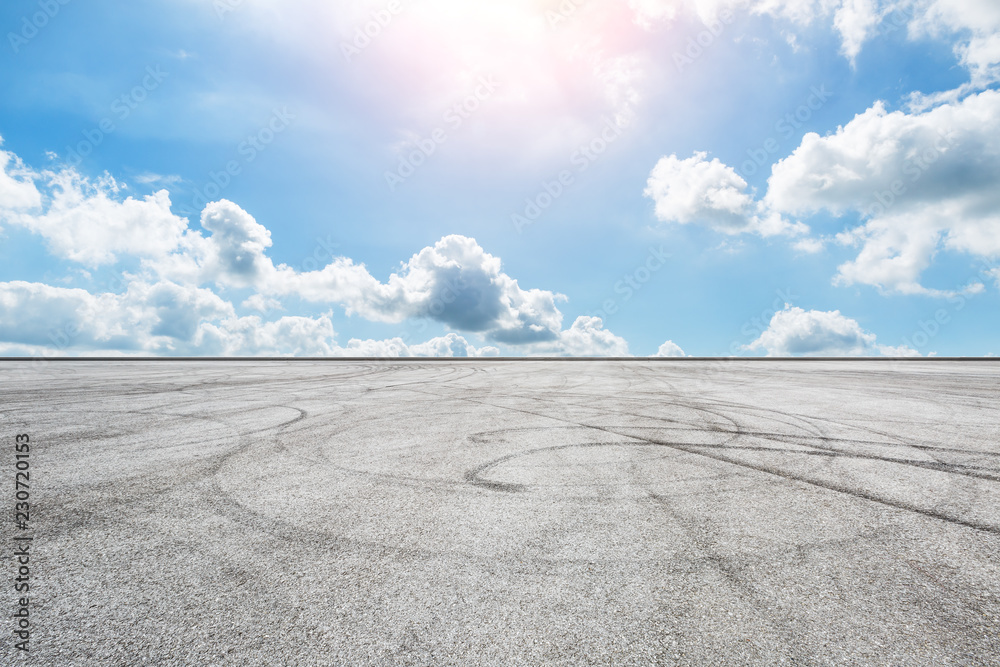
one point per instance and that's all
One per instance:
(982, 56)
(451, 345)
(699, 190)
(710, 193)
(670, 349)
(454, 282)
(586, 338)
(238, 243)
(262, 303)
(153, 179)
(802, 12)
(923, 182)
(809, 246)
(17, 187)
(175, 311)
(85, 222)
(975, 25)
(38, 315)
(170, 319)
(995, 274)
(795, 332)
(155, 318)
(315, 337)
(287, 336)
(856, 20)
(394, 347)
(171, 305)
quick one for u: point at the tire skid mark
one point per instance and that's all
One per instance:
(773, 470)
(197, 471)
(768, 613)
(937, 465)
(473, 476)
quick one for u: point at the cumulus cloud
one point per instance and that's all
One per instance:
(170, 319)
(37, 315)
(83, 220)
(239, 243)
(315, 337)
(670, 349)
(587, 337)
(458, 283)
(176, 311)
(150, 317)
(795, 332)
(454, 282)
(451, 345)
(922, 182)
(172, 303)
(710, 193)
(287, 336)
(696, 189)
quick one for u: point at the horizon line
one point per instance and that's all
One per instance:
(502, 359)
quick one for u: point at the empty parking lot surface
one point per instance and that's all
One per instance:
(501, 512)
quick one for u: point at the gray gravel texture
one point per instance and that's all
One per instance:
(508, 513)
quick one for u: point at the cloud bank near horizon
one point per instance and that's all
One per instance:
(175, 285)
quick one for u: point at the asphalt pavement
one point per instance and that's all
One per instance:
(507, 512)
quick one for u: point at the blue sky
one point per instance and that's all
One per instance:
(555, 177)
